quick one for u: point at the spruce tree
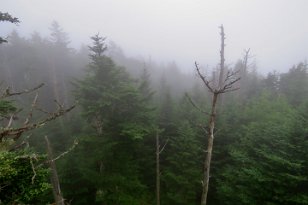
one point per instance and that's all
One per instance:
(264, 166)
(117, 120)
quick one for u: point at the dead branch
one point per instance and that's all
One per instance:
(194, 104)
(162, 149)
(23, 144)
(52, 160)
(8, 93)
(10, 122)
(231, 74)
(224, 85)
(203, 78)
(15, 133)
(205, 129)
(42, 110)
(227, 87)
(30, 114)
(229, 90)
(33, 169)
(11, 118)
(60, 106)
(66, 152)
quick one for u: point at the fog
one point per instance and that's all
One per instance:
(135, 123)
(177, 30)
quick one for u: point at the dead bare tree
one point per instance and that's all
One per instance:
(14, 133)
(222, 57)
(245, 61)
(8, 132)
(225, 84)
(158, 152)
(59, 200)
(54, 178)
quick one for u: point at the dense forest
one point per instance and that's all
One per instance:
(132, 114)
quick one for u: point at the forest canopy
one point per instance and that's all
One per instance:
(125, 104)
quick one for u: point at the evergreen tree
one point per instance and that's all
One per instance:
(118, 118)
(264, 169)
(6, 17)
(294, 84)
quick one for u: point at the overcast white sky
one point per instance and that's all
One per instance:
(276, 31)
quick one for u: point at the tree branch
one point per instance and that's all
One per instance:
(203, 78)
(162, 149)
(33, 169)
(16, 132)
(8, 93)
(66, 152)
(30, 114)
(194, 104)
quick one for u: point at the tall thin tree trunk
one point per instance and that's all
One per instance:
(207, 163)
(55, 82)
(225, 84)
(157, 170)
(211, 123)
(222, 65)
(222, 57)
(54, 176)
(245, 63)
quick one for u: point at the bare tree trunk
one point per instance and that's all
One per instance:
(225, 84)
(222, 64)
(211, 124)
(207, 163)
(244, 72)
(222, 57)
(158, 152)
(245, 63)
(54, 78)
(157, 170)
(54, 176)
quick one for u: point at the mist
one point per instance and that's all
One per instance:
(153, 102)
(180, 31)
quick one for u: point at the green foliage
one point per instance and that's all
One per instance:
(260, 147)
(9, 18)
(263, 167)
(6, 107)
(23, 177)
(181, 159)
(294, 84)
(182, 171)
(113, 105)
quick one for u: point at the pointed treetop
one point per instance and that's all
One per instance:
(58, 36)
(99, 46)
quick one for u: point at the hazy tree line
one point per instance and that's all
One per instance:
(123, 104)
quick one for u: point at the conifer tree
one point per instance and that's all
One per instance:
(266, 166)
(118, 119)
(6, 17)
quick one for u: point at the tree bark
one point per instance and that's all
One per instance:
(54, 176)
(225, 84)
(222, 64)
(207, 163)
(222, 57)
(157, 170)
(211, 124)
(245, 63)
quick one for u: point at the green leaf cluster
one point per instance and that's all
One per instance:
(23, 177)
(264, 164)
